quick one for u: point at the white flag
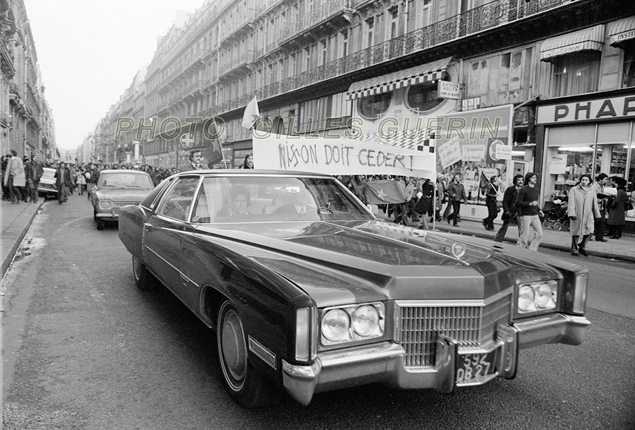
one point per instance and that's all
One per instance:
(251, 113)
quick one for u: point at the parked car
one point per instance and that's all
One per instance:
(47, 187)
(308, 291)
(115, 189)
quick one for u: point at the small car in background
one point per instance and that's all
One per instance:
(309, 292)
(47, 187)
(115, 189)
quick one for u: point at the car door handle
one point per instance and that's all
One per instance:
(148, 227)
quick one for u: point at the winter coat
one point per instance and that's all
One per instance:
(15, 167)
(583, 204)
(617, 208)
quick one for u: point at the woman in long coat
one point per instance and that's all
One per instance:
(617, 209)
(583, 210)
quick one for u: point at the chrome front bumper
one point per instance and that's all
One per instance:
(385, 362)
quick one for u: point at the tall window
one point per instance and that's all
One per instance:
(370, 32)
(394, 23)
(324, 53)
(576, 74)
(628, 76)
(344, 43)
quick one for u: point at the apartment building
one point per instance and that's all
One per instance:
(26, 123)
(563, 69)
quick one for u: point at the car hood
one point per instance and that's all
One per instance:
(122, 194)
(373, 260)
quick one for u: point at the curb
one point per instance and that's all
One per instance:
(552, 246)
(16, 244)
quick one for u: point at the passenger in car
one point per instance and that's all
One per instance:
(301, 204)
(239, 205)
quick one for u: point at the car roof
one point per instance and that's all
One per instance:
(122, 171)
(253, 172)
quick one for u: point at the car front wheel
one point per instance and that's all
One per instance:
(142, 277)
(241, 379)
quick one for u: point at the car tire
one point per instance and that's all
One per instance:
(142, 277)
(95, 215)
(100, 224)
(240, 378)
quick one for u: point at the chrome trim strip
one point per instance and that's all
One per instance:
(188, 280)
(163, 259)
(263, 353)
(455, 303)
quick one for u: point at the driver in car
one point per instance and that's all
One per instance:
(239, 205)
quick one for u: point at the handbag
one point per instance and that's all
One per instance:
(628, 205)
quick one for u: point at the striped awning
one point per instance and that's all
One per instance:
(402, 78)
(622, 30)
(589, 39)
(409, 139)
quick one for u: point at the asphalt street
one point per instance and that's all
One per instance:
(84, 349)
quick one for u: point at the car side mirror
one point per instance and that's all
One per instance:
(373, 209)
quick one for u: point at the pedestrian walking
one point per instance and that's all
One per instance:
(598, 188)
(424, 206)
(617, 212)
(510, 208)
(492, 192)
(456, 192)
(63, 182)
(582, 211)
(15, 178)
(529, 213)
(34, 171)
(81, 182)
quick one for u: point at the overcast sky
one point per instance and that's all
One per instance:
(89, 51)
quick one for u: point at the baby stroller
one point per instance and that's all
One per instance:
(556, 217)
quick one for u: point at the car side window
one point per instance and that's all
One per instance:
(177, 201)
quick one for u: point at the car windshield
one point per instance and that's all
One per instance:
(266, 198)
(125, 180)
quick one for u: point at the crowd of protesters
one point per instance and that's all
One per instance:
(421, 199)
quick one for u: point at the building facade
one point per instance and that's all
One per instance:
(26, 122)
(318, 65)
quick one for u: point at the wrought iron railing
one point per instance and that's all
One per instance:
(493, 14)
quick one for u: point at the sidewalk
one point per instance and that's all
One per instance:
(15, 220)
(618, 249)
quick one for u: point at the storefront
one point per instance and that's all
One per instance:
(587, 135)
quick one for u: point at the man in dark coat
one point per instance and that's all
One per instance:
(34, 171)
(510, 208)
(63, 182)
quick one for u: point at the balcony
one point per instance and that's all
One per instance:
(235, 27)
(493, 15)
(237, 64)
(322, 19)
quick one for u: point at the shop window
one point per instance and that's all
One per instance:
(576, 74)
(628, 77)
(371, 107)
(424, 97)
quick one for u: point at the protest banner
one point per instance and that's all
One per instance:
(340, 156)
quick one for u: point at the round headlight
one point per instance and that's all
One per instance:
(365, 320)
(335, 324)
(105, 204)
(526, 299)
(544, 297)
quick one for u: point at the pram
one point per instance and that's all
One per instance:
(556, 217)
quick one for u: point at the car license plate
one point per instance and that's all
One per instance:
(474, 368)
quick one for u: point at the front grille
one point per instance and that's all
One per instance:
(470, 326)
